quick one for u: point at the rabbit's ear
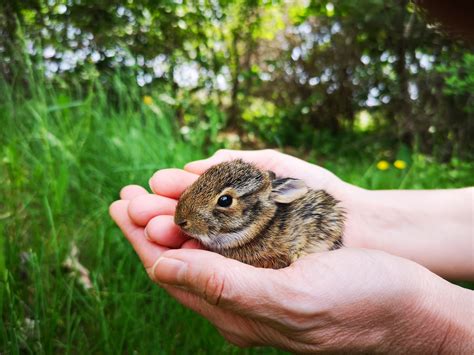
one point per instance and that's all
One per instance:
(287, 190)
(271, 174)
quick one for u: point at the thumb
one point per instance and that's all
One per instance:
(200, 166)
(265, 159)
(220, 281)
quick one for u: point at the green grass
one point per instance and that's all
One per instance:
(65, 154)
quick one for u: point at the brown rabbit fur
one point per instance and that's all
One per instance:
(270, 222)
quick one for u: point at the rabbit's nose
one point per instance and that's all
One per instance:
(182, 223)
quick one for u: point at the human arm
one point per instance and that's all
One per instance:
(435, 228)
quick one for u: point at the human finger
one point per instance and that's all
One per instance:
(265, 159)
(147, 251)
(163, 231)
(192, 244)
(144, 207)
(221, 281)
(171, 182)
(129, 192)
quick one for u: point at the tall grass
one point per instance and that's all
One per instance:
(64, 156)
(65, 153)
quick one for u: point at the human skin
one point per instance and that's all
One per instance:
(351, 299)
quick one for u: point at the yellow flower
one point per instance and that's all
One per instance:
(383, 165)
(400, 164)
(147, 100)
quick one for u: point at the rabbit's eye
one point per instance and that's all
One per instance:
(224, 201)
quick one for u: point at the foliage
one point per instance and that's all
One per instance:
(459, 81)
(319, 63)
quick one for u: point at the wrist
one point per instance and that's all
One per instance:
(415, 225)
(437, 318)
(360, 217)
(451, 310)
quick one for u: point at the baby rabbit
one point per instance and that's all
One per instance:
(250, 215)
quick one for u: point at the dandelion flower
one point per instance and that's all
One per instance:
(383, 165)
(400, 164)
(147, 100)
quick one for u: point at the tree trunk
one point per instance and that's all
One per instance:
(234, 110)
(402, 105)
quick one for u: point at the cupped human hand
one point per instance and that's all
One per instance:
(344, 300)
(152, 214)
(350, 299)
(146, 219)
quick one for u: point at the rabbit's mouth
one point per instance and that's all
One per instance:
(219, 242)
(203, 238)
(222, 241)
(233, 239)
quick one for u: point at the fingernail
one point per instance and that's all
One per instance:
(146, 234)
(149, 184)
(168, 270)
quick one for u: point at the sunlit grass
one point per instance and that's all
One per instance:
(64, 159)
(65, 154)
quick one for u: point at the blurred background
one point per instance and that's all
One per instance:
(99, 94)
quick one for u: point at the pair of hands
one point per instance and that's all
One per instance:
(349, 299)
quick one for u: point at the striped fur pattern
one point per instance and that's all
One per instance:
(271, 221)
